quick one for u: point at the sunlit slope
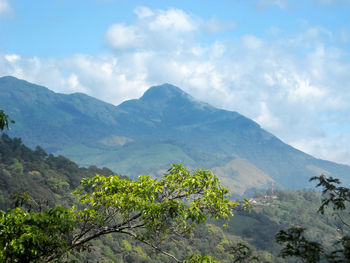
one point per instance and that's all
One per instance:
(145, 135)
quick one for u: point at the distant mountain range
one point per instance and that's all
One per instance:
(164, 126)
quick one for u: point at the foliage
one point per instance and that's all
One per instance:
(198, 258)
(243, 254)
(35, 236)
(145, 209)
(148, 209)
(4, 120)
(296, 245)
(336, 196)
(41, 175)
(47, 177)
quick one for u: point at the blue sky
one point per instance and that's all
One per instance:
(283, 63)
(79, 26)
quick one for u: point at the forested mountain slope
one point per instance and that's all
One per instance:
(43, 176)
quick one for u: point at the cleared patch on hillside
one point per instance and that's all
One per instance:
(239, 175)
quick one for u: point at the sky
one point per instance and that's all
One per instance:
(283, 63)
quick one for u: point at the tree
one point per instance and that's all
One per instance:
(335, 197)
(243, 254)
(34, 236)
(145, 209)
(298, 246)
(4, 120)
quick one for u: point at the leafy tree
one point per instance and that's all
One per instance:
(4, 120)
(298, 246)
(34, 236)
(145, 209)
(243, 254)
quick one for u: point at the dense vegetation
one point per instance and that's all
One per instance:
(46, 177)
(145, 209)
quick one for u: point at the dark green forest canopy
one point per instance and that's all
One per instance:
(44, 176)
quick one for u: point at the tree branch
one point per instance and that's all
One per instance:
(153, 246)
(104, 231)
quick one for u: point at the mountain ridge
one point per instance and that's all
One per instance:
(146, 135)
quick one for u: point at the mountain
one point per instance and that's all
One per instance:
(164, 126)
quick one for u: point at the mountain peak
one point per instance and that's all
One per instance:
(10, 79)
(164, 92)
(20, 85)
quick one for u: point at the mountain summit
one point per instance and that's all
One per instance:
(164, 92)
(164, 126)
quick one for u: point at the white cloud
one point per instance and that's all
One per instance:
(266, 118)
(122, 37)
(218, 49)
(99, 76)
(328, 147)
(303, 90)
(5, 7)
(252, 42)
(172, 20)
(170, 30)
(74, 84)
(297, 87)
(143, 12)
(12, 58)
